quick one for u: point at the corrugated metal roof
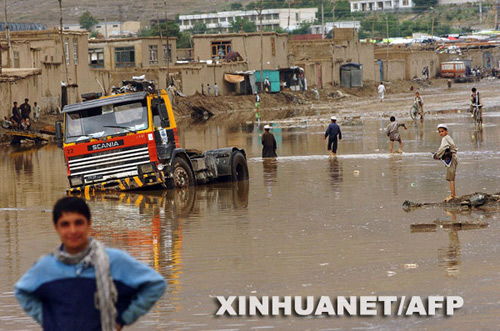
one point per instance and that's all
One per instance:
(23, 26)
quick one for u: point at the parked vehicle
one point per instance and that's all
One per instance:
(129, 141)
(456, 70)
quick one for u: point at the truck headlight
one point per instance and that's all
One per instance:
(146, 168)
(76, 180)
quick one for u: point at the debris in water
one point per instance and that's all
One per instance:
(411, 266)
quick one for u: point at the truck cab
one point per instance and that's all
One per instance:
(129, 141)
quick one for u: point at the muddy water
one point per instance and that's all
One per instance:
(303, 225)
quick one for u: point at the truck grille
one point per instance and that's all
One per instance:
(116, 163)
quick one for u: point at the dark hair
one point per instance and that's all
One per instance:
(70, 205)
(392, 118)
(474, 89)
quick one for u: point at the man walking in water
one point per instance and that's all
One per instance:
(447, 152)
(381, 91)
(268, 143)
(331, 133)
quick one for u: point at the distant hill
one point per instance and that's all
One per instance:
(47, 11)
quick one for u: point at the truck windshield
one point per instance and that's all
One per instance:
(108, 120)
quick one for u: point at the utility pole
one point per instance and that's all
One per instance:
(10, 56)
(289, 13)
(497, 16)
(480, 12)
(168, 44)
(261, 46)
(62, 42)
(322, 20)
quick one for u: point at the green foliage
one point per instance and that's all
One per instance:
(87, 20)
(236, 6)
(94, 35)
(378, 26)
(342, 9)
(169, 29)
(242, 24)
(199, 28)
(302, 29)
(423, 5)
(184, 40)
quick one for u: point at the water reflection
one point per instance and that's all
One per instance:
(22, 157)
(151, 225)
(270, 173)
(395, 165)
(449, 256)
(336, 172)
(477, 136)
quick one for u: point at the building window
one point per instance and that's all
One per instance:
(75, 50)
(125, 56)
(276, 16)
(17, 62)
(405, 2)
(355, 6)
(115, 25)
(153, 54)
(66, 50)
(167, 53)
(297, 17)
(98, 26)
(388, 4)
(380, 5)
(223, 19)
(220, 48)
(96, 57)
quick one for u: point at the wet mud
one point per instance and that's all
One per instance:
(475, 200)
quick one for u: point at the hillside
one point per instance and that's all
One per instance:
(47, 11)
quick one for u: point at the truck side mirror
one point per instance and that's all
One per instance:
(59, 134)
(162, 111)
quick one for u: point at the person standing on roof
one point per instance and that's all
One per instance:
(268, 143)
(381, 91)
(83, 285)
(332, 132)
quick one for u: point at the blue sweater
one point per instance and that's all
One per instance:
(333, 130)
(61, 296)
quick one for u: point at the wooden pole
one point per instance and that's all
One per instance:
(10, 55)
(62, 42)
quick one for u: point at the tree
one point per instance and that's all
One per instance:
(87, 20)
(303, 28)
(236, 6)
(169, 29)
(199, 28)
(184, 40)
(423, 5)
(242, 24)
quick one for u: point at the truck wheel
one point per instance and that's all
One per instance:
(239, 167)
(182, 175)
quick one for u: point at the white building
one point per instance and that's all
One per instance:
(271, 18)
(329, 26)
(117, 29)
(73, 27)
(371, 5)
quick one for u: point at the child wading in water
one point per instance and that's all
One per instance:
(392, 132)
(447, 152)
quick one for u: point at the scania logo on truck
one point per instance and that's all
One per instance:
(109, 144)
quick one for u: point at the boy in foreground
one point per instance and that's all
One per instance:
(84, 285)
(447, 152)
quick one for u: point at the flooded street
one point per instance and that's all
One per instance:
(303, 225)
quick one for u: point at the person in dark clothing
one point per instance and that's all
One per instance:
(25, 109)
(268, 143)
(331, 133)
(16, 114)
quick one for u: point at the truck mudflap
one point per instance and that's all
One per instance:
(119, 184)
